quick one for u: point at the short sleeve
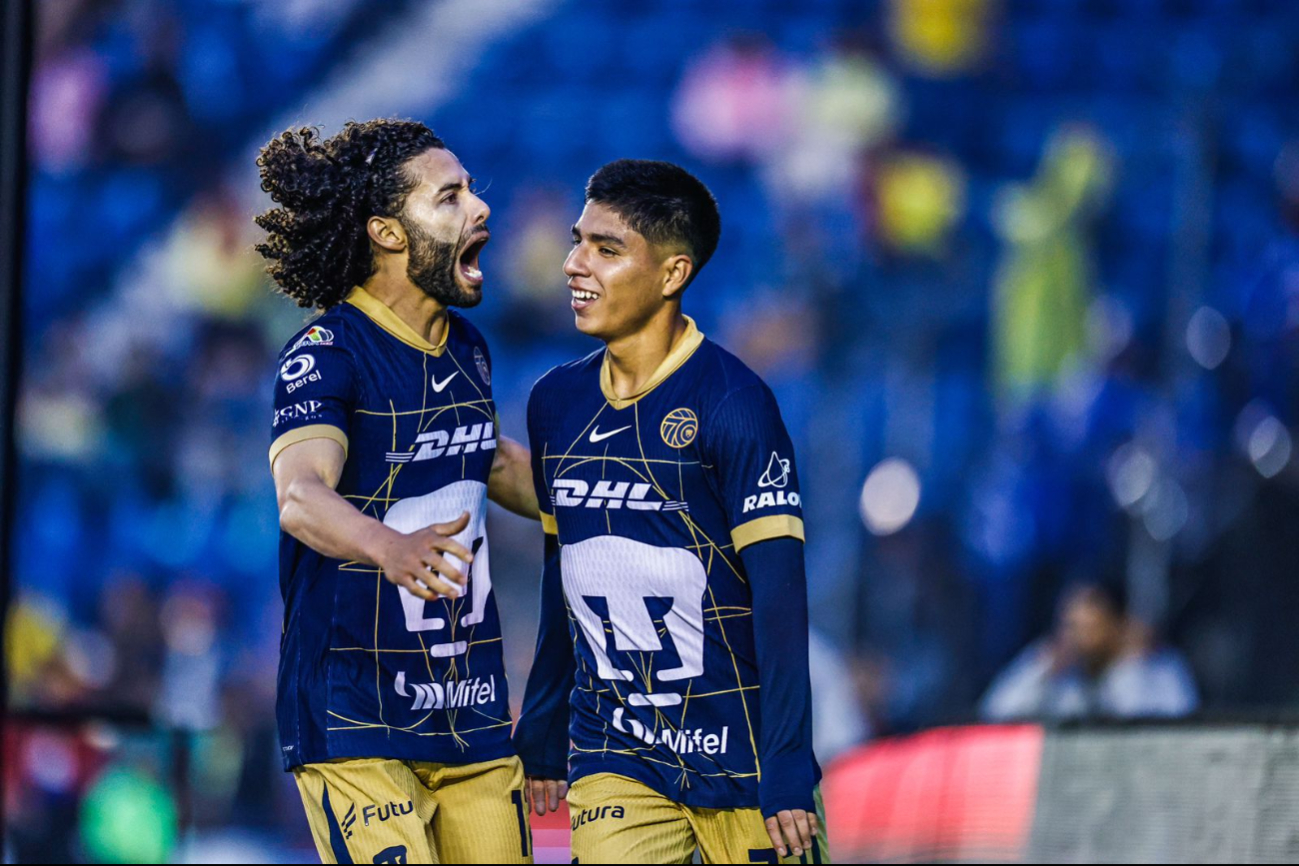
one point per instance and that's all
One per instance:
(747, 443)
(315, 395)
(537, 445)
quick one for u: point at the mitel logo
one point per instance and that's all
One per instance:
(586, 816)
(298, 372)
(297, 411)
(572, 493)
(474, 692)
(683, 742)
(465, 439)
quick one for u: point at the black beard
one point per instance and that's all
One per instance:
(432, 266)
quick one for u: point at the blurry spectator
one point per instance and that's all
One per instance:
(1043, 284)
(734, 102)
(1099, 664)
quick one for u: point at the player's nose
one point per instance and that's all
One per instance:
(575, 264)
(482, 212)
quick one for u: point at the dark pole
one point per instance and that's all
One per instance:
(16, 32)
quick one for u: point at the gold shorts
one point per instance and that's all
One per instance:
(618, 820)
(374, 810)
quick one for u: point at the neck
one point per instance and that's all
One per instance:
(634, 358)
(425, 316)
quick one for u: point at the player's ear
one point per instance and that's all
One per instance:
(387, 233)
(677, 271)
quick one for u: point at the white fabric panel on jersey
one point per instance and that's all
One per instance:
(443, 506)
(625, 573)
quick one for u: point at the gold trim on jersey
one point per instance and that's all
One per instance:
(549, 524)
(686, 345)
(775, 526)
(302, 434)
(383, 316)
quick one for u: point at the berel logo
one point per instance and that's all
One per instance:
(465, 439)
(297, 411)
(572, 493)
(298, 372)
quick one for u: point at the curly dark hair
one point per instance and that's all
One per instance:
(327, 189)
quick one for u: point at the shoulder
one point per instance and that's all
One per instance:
(330, 330)
(552, 392)
(569, 375)
(732, 385)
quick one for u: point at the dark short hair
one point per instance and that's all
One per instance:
(317, 246)
(662, 201)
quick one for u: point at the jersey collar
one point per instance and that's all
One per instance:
(383, 316)
(686, 345)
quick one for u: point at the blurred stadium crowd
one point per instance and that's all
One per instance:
(1023, 275)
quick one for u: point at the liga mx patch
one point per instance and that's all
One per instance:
(316, 336)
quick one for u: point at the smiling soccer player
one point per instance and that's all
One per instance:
(393, 710)
(673, 646)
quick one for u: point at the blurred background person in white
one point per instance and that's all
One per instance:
(1100, 663)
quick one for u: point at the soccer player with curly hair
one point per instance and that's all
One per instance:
(392, 703)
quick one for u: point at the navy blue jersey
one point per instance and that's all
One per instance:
(366, 668)
(652, 499)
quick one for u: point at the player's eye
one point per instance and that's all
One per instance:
(575, 241)
(451, 199)
(605, 251)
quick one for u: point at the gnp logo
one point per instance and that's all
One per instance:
(298, 372)
(572, 493)
(296, 412)
(465, 439)
(776, 476)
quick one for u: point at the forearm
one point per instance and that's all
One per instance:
(541, 737)
(510, 484)
(315, 514)
(779, 586)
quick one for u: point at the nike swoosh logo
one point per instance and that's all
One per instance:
(438, 386)
(597, 436)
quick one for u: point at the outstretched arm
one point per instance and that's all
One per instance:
(510, 484)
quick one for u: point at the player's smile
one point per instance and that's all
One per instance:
(582, 296)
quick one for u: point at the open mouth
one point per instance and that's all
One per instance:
(468, 264)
